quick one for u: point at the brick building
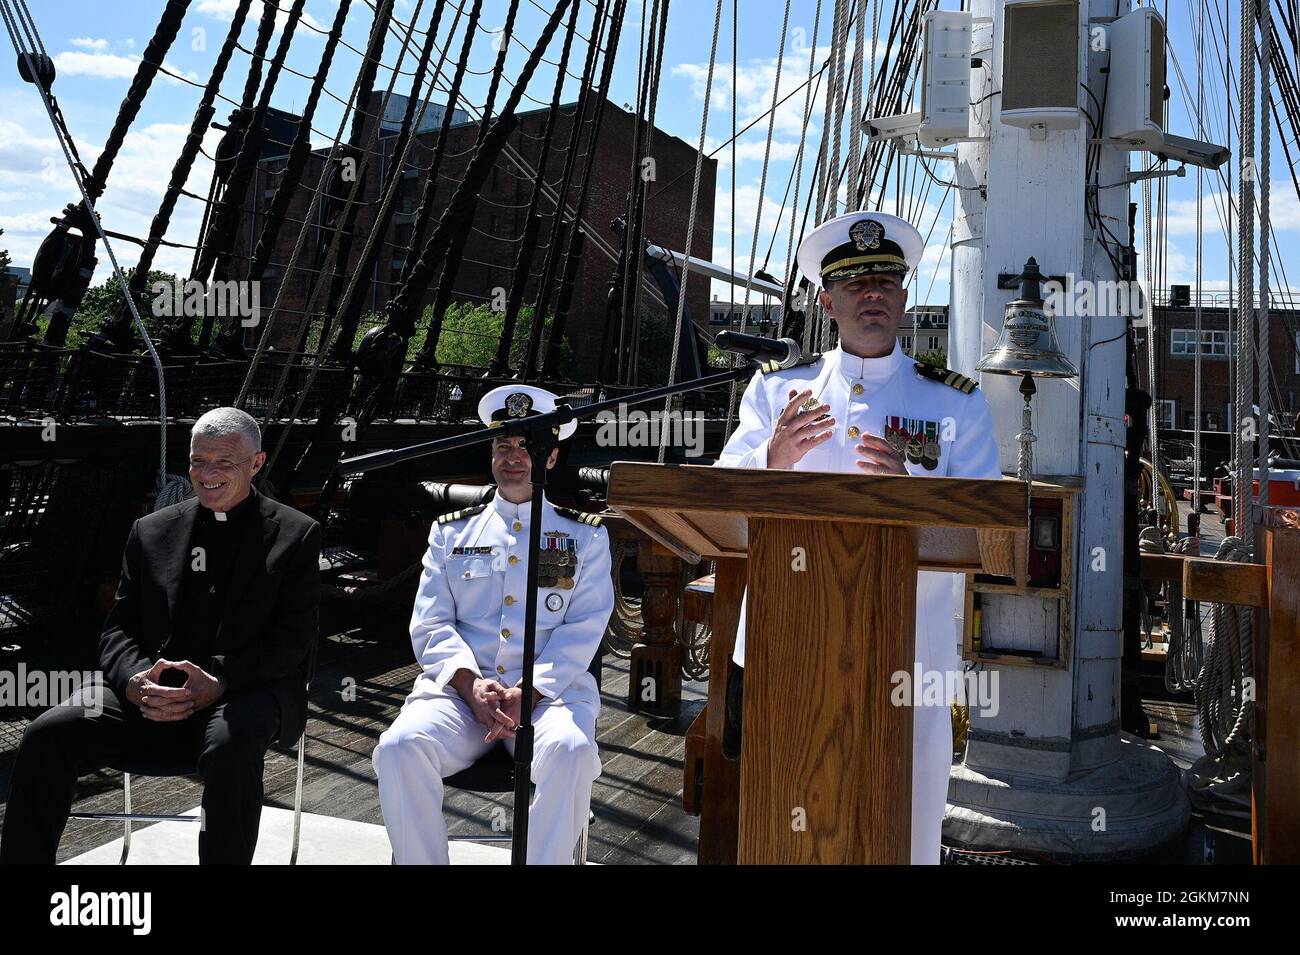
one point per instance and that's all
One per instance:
(1174, 320)
(498, 222)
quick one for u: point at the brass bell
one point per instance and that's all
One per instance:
(1027, 345)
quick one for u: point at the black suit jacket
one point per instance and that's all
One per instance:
(270, 624)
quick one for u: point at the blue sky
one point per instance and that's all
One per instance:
(96, 45)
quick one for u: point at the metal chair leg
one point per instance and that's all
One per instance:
(126, 810)
(580, 849)
(297, 799)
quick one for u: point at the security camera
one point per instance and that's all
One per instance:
(1192, 151)
(893, 127)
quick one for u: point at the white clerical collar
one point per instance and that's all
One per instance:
(876, 370)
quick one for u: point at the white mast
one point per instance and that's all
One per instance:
(1049, 772)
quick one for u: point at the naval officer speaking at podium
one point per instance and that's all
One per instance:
(467, 631)
(866, 407)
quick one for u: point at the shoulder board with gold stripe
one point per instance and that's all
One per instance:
(463, 512)
(582, 517)
(946, 376)
(768, 367)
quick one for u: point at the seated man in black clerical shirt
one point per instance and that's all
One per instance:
(204, 655)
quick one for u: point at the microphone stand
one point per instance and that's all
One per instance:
(541, 433)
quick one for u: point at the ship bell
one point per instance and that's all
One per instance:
(1027, 344)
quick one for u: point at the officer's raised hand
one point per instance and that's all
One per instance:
(797, 431)
(877, 456)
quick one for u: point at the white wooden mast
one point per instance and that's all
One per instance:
(1049, 772)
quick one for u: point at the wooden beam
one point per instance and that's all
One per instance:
(1220, 581)
(1223, 581)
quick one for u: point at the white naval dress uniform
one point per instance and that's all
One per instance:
(469, 614)
(865, 396)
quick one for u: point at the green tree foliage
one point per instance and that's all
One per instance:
(4, 258)
(938, 358)
(470, 334)
(105, 300)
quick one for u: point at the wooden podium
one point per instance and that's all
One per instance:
(825, 772)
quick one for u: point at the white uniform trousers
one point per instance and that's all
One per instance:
(436, 736)
(931, 764)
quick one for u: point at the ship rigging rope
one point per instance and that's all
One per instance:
(296, 163)
(322, 188)
(1200, 244)
(762, 194)
(791, 268)
(402, 302)
(653, 99)
(161, 41)
(455, 252)
(1228, 206)
(567, 266)
(690, 228)
(1261, 355)
(855, 140)
(193, 145)
(225, 218)
(251, 83)
(400, 308)
(348, 315)
(1245, 379)
(312, 373)
(341, 220)
(424, 211)
(650, 66)
(524, 257)
(1224, 705)
(18, 21)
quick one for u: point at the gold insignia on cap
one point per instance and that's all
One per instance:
(866, 234)
(519, 404)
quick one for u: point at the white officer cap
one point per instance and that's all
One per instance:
(513, 402)
(859, 243)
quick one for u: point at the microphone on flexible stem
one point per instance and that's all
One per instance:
(784, 351)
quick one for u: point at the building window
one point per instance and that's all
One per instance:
(932, 343)
(1164, 413)
(1214, 344)
(906, 341)
(407, 196)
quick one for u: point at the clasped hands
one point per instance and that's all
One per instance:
(495, 706)
(168, 704)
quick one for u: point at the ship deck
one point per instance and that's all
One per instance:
(636, 803)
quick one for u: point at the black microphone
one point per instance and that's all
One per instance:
(784, 351)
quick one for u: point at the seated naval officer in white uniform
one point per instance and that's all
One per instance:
(866, 407)
(467, 631)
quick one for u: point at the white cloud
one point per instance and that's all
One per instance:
(747, 213)
(110, 66)
(86, 43)
(1284, 210)
(751, 149)
(225, 10)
